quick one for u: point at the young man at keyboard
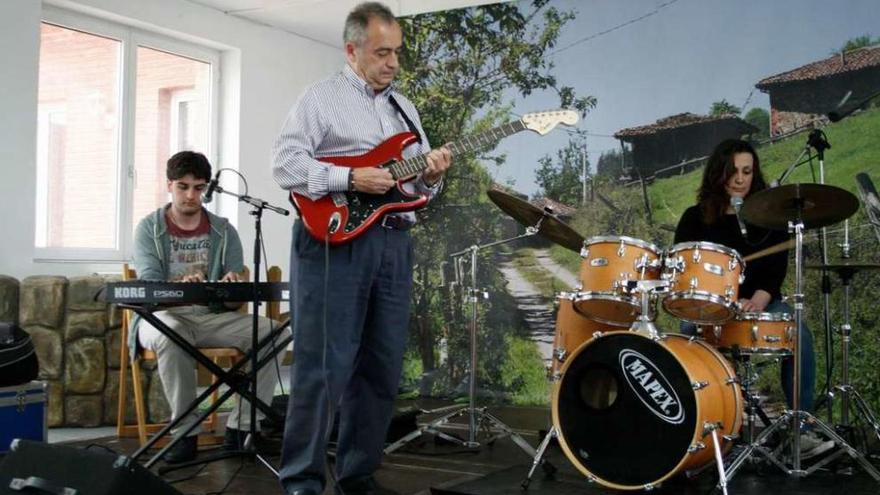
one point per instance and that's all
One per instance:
(183, 242)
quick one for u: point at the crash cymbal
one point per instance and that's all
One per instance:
(527, 214)
(817, 205)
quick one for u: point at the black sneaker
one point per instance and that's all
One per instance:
(234, 439)
(183, 451)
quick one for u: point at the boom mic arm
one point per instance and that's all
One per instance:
(870, 201)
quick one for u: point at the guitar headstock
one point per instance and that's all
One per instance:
(544, 122)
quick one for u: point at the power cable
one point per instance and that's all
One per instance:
(615, 28)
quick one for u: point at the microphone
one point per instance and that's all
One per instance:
(737, 204)
(212, 186)
(833, 115)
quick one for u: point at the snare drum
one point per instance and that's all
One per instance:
(608, 263)
(705, 282)
(631, 411)
(572, 330)
(762, 334)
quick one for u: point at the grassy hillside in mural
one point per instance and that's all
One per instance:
(855, 149)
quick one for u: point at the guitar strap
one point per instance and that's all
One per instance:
(409, 123)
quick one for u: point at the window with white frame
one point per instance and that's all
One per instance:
(114, 103)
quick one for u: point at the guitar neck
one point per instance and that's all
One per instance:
(412, 166)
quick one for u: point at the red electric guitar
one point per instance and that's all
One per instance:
(342, 216)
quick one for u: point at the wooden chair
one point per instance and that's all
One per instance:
(222, 356)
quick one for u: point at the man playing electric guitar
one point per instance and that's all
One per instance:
(357, 364)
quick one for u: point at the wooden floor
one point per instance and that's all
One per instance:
(428, 466)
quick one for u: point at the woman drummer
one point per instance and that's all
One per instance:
(734, 170)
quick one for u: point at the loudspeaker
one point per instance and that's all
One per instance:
(37, 467)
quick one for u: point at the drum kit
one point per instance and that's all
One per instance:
(633, 406)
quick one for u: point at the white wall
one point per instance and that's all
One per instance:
(264, 70)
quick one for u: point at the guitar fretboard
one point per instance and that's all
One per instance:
(414, 165)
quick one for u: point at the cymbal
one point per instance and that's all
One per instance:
(817, 205)
(527, 214)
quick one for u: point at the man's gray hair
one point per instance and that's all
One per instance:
(356, 23)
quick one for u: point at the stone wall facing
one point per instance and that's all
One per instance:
(77, 341)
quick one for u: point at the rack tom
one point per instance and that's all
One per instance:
(572, 330)
(609, 262)
(705, 281)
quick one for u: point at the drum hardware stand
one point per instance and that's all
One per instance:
(644, 323)
(753, 407)
(549, 469)
(719, 459)
(848, 392)
(793, 418)
(476, 416)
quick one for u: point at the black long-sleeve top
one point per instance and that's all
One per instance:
(765, 273)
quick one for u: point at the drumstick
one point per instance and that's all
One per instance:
(782, 246)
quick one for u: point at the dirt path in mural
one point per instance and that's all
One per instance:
(536, 308)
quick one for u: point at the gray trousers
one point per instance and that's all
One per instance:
(202, 328)
(354, 369)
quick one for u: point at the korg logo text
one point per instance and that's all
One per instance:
(129, 292)
(651, 387)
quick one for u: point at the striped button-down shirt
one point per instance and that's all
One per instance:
(341, 116)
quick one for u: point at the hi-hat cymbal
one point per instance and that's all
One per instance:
(529, 215)
(817, 205)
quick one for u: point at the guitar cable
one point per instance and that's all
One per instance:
(331, 226)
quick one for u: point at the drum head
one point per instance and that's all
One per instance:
(699, 307)
(607, 308)
(625, 410)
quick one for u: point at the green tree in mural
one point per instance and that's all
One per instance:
(856, 43)
(458, 66)
(724, 107)
(611, 163)
(759, 118)
(562, 179)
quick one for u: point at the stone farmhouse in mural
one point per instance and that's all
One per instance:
(672, 144)
(803, 96)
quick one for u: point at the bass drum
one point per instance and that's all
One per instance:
(631, 411)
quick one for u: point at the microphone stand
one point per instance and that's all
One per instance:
(249, 446)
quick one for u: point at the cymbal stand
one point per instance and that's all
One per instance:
(793, 418)
(477, 417)
(847, 391)
(817, 140)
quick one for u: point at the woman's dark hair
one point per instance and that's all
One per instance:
(711, 197)
(188, 162)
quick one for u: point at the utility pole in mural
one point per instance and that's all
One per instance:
(456, 67)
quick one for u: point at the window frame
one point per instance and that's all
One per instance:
(131, 38)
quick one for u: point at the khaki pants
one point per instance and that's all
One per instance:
(202, 328)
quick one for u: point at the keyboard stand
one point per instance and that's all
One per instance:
(236, 378)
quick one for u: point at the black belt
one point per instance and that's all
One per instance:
(396, 222)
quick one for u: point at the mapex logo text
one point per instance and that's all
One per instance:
(129, 292)
(651, 387)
